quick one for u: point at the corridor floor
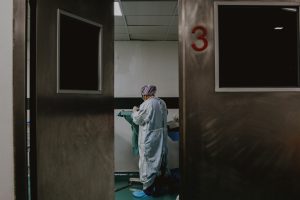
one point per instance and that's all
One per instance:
(126, 194)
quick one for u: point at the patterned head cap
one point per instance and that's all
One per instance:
(148, 90)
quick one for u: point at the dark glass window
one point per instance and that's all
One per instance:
(258, 46)
(78, 54)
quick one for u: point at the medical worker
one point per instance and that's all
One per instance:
(151, 117)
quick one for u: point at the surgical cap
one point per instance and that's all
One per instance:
(148, 90)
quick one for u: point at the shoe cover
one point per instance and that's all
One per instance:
(140, 194)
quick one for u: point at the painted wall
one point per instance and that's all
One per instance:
(138, 63)
(6, 107)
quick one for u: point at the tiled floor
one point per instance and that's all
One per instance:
(126, 194)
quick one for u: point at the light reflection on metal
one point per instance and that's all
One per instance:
(290, 9)
(278, 28)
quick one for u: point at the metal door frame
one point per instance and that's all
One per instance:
(20, 103)
(19, 99)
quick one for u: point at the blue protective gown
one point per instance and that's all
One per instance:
(152, 119)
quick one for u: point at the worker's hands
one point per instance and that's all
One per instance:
(135, 109)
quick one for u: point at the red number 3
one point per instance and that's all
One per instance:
(201, 37)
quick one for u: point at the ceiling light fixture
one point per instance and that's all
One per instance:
(117, 9)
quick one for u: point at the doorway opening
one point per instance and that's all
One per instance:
(146, 52)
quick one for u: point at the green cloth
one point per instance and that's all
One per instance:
(134, 130)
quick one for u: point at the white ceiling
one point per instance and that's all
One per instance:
(147, 20)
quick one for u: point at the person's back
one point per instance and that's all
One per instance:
(153, 131)
(158, 116)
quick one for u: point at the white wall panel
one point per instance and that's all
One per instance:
(6, 117)
(140, 63)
